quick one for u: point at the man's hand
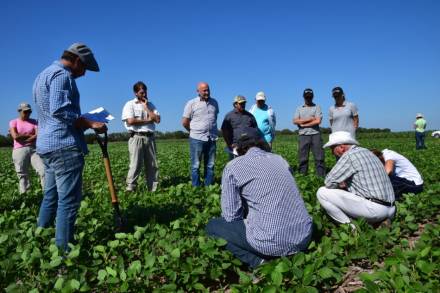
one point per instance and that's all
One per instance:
(98, 127)
(343, 185)
(83, 123)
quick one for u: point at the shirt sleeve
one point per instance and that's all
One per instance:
(152, 107)
(354, 110)
(13, 123)
(296, 114)
(231, 203)
(318, 112)
(340, 172)
(127, 111)
(187, 110)
(330, 113)
(61, 106)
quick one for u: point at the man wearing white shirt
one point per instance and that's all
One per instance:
(139, 116)
(403, 174)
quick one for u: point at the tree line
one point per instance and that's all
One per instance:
(7, 141)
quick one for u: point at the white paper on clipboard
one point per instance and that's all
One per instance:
(98, 115)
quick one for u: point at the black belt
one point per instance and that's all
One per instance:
(384, 203)
(148, 133)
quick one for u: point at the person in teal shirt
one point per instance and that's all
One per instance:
(265, 117)
(420, 126)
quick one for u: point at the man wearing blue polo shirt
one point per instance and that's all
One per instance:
(60, 140)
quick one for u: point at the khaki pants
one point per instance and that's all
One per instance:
(142, 150)
(24, 157)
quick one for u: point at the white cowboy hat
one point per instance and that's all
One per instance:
(340, 137)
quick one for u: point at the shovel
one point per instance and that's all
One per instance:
(120, 221)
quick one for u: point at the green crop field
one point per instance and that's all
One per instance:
(166, 249)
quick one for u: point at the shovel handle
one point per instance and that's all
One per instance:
(102, 141)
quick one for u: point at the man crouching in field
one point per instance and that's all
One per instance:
(263, 214)
(357, 186)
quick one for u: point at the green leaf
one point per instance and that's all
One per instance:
(113, 244)
(101, 275)
(270, 289)
(282, 267)
(276, 277)
(111, 271)
(74, 284)
(123, 275)
(55, 262)
(59, 284)
(175, 253)
(134, 268)
(425, 251)
(120, 235)
(325, 273)
(3, 238)
(199, 286)
(150, 260)
(221, 242)
(100, 248)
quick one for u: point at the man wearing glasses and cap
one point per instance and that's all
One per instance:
(234, 123)
(24, 132)
(308, 117)
(343, 115)
(60, 141)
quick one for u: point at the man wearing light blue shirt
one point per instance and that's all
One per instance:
(265, 117)
(60, 141)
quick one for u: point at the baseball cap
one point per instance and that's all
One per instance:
(24, 107)
(260, 96)
(419, 115)
(85, 55)
(337, 91)
(239, 99)
(247, 137)
(308, 92)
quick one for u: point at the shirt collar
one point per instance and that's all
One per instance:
(58, 63)
(344, 103)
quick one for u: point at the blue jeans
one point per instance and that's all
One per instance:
(420, 140)
(235, 234)
(197, 149)
(62, 192)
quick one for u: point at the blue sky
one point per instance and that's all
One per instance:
(384, 54)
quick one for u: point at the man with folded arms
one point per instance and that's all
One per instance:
(140, 117)
(357, 186)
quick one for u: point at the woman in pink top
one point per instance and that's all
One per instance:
(24, 132)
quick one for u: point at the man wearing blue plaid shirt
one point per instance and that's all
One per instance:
(263, 213)
(357, 186)
(60, 141)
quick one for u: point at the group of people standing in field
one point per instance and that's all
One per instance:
(263, 213)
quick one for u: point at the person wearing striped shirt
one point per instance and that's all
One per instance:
(263, 214)
(357, 186)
